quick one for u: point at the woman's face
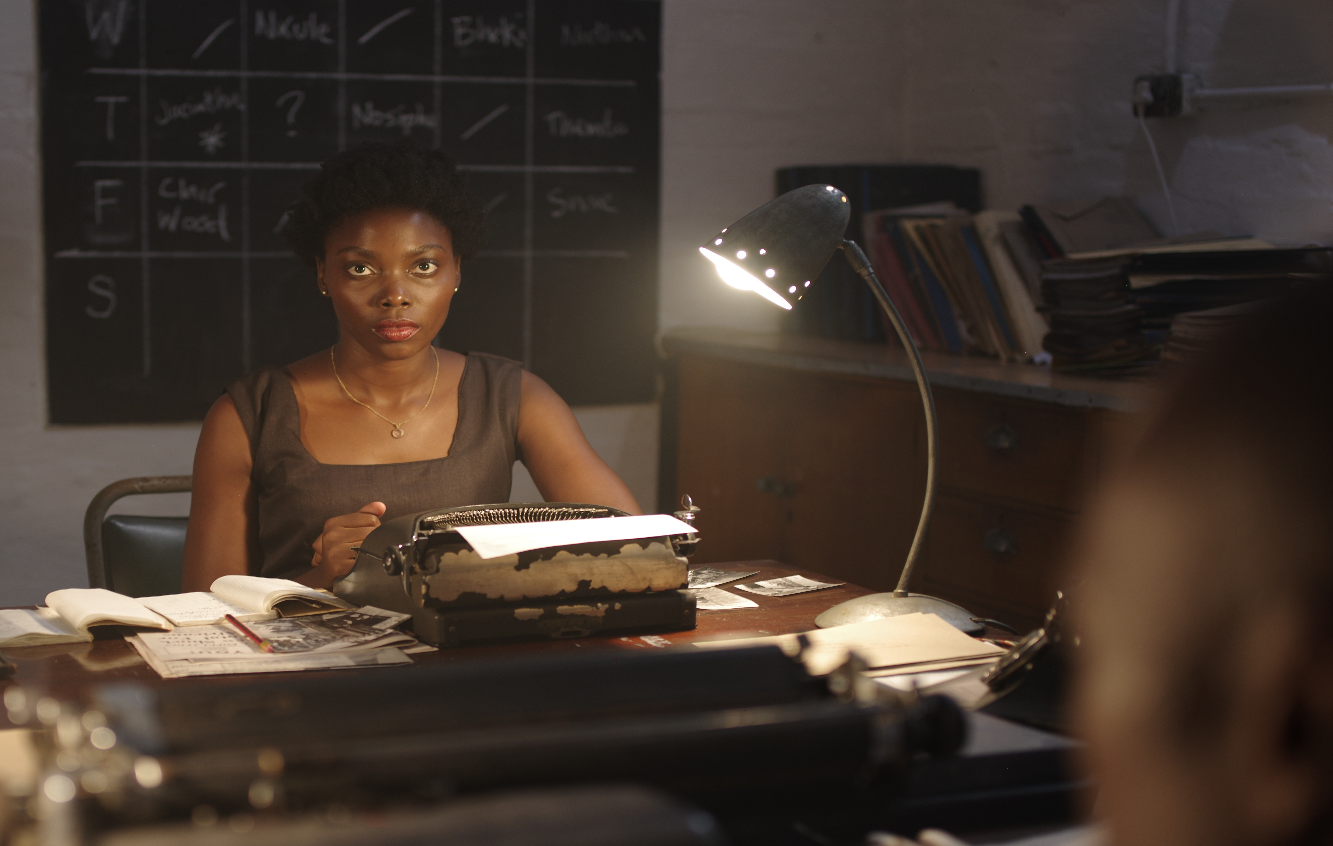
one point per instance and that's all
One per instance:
(391, 274)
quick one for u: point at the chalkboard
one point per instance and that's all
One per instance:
(175, 135)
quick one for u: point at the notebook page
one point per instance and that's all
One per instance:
(22, 627)
(260, 594)
(199, 608)
(84, 607)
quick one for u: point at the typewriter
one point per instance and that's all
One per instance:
(420, 565)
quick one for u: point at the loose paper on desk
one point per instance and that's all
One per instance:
(707, 577)
(924, 640)
(787, 586)
(717, 599)
(369, 628)
(271, 663)
(493, 541)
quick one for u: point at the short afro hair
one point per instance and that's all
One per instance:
(405, 174)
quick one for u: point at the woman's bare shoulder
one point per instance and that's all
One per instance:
(223, 437)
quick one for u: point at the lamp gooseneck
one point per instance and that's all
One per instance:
(857, 259)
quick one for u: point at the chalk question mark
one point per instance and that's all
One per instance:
(297, 98)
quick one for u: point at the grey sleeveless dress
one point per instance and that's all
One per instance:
(295, 494)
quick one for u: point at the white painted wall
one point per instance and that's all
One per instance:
(1035, 92)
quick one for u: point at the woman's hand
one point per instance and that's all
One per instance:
(336, 549)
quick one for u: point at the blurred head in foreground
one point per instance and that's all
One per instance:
(1206, 600)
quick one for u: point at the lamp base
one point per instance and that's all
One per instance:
(877, 606)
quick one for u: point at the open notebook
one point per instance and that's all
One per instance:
(71, 614)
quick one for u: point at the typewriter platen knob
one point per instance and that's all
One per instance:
(685, 544)
(393, 561)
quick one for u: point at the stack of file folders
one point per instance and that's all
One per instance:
(1121, 311)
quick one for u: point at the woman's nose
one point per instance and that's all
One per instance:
(395, 295)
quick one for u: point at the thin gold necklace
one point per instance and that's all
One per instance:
(397, 427)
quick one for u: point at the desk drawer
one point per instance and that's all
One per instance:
(1012, 449)
(994, 560)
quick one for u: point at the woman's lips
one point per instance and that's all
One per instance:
(396, 330)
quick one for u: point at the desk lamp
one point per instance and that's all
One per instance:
(776, 251)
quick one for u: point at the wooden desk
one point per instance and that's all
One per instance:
(69, 669)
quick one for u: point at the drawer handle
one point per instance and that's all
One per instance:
(776, 487)
(1000, 542)
(1002, 439)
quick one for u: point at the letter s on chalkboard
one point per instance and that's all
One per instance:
(103, 286)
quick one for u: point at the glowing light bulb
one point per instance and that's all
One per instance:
(740, 254)
(770, 273)
(792, 289)
(738, 277)
(718, 242)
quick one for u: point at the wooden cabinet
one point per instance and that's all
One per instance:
(812, 452)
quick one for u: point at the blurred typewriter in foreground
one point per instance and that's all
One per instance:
(557, 584)
(662, 747)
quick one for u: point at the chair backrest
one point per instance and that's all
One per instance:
(136, 556)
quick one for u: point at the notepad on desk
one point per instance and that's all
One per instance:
(911, 643)
(72, 614)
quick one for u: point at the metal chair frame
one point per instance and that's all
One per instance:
(96, 515)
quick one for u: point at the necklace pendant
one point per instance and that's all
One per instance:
(397, 432)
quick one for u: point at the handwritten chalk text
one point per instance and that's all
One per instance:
(598, 35)
(507, 33)
(212, 102)
(365, 114)
(177, 188)
(268, 25)
(199, 224)
(562, 125)
(563, 204)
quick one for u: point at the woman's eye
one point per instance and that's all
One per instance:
(425, 266)
(359, 270)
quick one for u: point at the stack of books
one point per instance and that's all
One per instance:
(840, 305)
(1094, 322)
(956, 280)
(1118, 296)
(1089, 287)
(1123, 311)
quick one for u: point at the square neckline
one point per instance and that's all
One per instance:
(453, 444)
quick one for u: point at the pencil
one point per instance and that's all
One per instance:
(243, 629)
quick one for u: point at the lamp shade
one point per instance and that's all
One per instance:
(778, 249)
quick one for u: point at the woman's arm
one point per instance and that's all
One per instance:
(219, 538)
(559, 457)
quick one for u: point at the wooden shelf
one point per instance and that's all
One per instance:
(878, 361)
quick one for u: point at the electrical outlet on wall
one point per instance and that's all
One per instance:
(1164, 95)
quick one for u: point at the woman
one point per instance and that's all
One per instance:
(296, 465)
